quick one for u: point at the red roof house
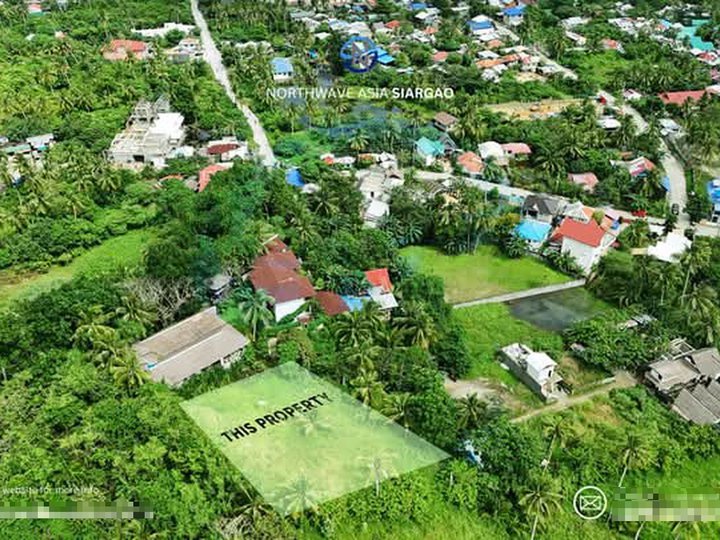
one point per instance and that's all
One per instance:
(470, 163)
(276, 274)
(219, 149)
(331, 303)
(679, 98)
(587, 180)
(379, 278)
(206, 174)
(439, 56)
(392, 25)
(590, 233)
(517, 149)
(122, 49)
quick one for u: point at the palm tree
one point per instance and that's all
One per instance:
(541, 498)
(352, 330)
(92, 331)
(379, 467)
(417, 324)
(358, 142)
(292, 112)
(297, 497)
(255, 311)
(132, 309)
(311, 425)
(396, 407)
(367, 386)
(127, 372)
(472, 410)
(634, 453)
(558, 430)
(693, 261)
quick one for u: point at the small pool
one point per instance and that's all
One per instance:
(559, 310)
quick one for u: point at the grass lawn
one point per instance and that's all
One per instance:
(125, 250)
(489, 327)
(598, 68)
(482, 274)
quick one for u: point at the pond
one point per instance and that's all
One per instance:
(559, 310)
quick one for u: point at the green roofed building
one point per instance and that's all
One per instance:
(428, 150)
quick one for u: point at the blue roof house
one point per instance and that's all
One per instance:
(293, 177)
(418, 6)
(533, 232)
(428, 150)
(282, 69)
(713, 191)
(383, 57)
(480, 25)
(514, 16)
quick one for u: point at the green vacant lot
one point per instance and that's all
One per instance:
(489, 327)
(482, 274)
(302, 441)
(125, 250)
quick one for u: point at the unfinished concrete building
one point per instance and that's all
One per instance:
(152, 133)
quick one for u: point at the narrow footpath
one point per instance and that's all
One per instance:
(214, 58)
(623, 379)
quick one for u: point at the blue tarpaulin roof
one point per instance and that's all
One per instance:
(353, 303)
(294, 178)
(532, 230)
(514, 11)
(417, 6)
(714, 191)
(480, 25)
(665, 182)
(281, 65)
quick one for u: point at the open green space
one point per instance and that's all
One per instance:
(489, 327)
(301, 441)
(482, 274)
(598, 68)
(118, 252)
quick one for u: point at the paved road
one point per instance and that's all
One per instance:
(673, 168)
(214, 58)
(527, 293)
(623, 379)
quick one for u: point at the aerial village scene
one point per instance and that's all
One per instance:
(494, 223)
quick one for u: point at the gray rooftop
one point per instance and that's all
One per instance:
(701, 405)
(178, 352)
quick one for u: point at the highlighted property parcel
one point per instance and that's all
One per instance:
(301, 441)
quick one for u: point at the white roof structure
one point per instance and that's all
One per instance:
(670, 248)
(491, 149)
(384, 300)
(375, 211)
(539, 361)
(163, 31)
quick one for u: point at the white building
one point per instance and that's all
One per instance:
(535, 369)
(586, 242)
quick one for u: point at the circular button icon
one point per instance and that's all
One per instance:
(590, 502)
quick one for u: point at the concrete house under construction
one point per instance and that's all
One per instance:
(151, 134)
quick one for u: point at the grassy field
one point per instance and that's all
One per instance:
(599, 67)
(125, 250)
(489, 327)
(482, 274)
(301, 432)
